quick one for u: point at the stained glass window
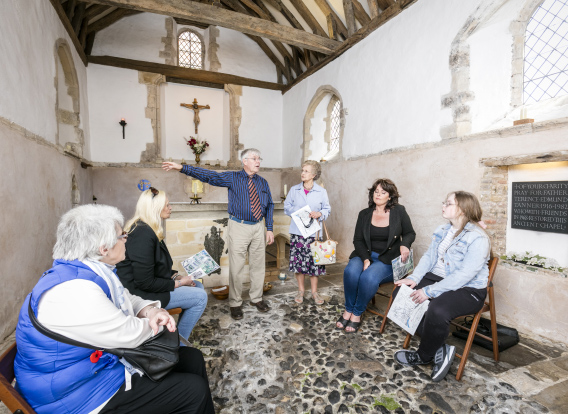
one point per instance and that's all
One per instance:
(190, 50)
(546, 47)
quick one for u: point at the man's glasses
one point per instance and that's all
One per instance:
(154, 191)
(124, 235)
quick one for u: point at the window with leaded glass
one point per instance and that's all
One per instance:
(335, 119)
(546, 47)
(190, 50)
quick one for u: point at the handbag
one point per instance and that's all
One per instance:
(506, 336)
(156, 357)
(323, 252)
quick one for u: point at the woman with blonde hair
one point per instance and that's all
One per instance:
(300, 195)
(452, 275)
(147, 269)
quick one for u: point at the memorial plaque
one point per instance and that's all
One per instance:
(540, 206)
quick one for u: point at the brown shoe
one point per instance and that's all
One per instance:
(236, 312)
(261, 306)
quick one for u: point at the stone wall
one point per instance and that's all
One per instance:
(193, 228)
(36, 195)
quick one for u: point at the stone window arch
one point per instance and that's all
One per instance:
(324, 124)
(546, 52)
(67, 103)
(191, 49)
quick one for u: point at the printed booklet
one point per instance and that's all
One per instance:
(199, 265)
(400, 269)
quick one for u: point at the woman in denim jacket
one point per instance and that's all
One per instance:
(453, 275)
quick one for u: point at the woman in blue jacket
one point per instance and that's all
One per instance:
(301, 260)
(453, 275)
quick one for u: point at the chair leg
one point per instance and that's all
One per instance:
(468, 345)
(373, 300)
(386, 313)
(493, 316)
(407, 341)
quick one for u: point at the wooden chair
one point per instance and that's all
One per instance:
(8, 394)
(174, 311)
(384, 316)
(489, 305)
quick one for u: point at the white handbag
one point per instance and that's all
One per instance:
(323, 252)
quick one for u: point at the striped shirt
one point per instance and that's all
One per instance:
(440, 268)
(239, 198)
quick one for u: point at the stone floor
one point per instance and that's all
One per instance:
(292, 360)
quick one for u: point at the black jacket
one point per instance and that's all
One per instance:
(400, 233)
(147, 269)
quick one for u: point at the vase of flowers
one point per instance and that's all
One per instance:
(198, 147)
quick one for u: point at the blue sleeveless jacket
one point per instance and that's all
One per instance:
(55, 377)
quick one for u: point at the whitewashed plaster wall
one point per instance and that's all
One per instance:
(241, 56)
(261, 124)
(177, 122)
(137, 37)
(29, 30)
(553, 245)
(115, 93)
(391, 82)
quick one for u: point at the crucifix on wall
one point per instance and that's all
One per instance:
(196, 108)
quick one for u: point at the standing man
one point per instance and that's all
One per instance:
(249, 202)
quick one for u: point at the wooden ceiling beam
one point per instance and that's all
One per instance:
(373, 8)
(308, 17)
(362, 33)
(205, 13)
(349, 17)
(327, 10)
(95, 10)
(67, 25)
(78, 17)
(110, 19)
(360, 13)
(385, 4)
(182, 73)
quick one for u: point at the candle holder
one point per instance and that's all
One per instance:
(123, 123)
(282, 277)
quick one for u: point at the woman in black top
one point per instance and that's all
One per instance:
(383, 232)
(147, 269)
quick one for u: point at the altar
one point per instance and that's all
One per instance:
(194, 227)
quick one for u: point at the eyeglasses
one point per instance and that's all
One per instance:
(124, 235)
(304, 223)
(154, 191)
(446, 204)
(254, 159)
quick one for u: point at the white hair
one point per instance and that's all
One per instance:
(82, 231)
(249, 151)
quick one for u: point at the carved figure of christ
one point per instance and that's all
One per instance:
(196, 108)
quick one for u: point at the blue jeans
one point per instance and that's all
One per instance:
(193, 301)
(360, 286)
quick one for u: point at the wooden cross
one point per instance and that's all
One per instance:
(196, 108)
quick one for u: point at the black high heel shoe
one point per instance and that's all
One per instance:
(343, 322)
(354, 325)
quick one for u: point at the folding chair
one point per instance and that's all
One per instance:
(489, 305)
(8, 394)
(385, 295)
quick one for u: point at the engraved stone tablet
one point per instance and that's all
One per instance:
(540, 206)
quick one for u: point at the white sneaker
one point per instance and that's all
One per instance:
(442, 362)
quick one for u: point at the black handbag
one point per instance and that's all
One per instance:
(506, 336)
(155, 358)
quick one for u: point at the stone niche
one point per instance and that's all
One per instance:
(194, 227)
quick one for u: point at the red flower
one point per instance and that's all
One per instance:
(95, 356)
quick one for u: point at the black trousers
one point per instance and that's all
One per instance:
(184, 390)
(435, 325)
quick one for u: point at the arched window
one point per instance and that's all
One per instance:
(191, 50)
(324, 123)
(546, 57)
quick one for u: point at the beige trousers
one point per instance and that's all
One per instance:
(245, 238)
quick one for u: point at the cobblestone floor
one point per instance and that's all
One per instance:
(292, 360)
